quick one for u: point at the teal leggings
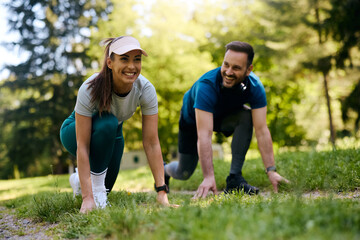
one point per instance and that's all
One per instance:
(106, 145)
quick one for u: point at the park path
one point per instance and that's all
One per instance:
(13, 228)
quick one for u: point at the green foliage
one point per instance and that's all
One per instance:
(337, 25)
(343, 24)
(55, 36)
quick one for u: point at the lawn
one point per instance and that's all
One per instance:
(322, 202)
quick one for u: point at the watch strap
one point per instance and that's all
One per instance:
(161, 188)
(271, 168)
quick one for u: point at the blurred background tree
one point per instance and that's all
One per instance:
(184, 39)
(322, 45)
(343, 25)
(55, 36)
(337, 23)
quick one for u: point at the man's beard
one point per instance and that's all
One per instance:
(241, 78)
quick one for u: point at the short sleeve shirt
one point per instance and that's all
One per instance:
(142, 94)
(207, 94)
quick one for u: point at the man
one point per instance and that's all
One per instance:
(216, 103)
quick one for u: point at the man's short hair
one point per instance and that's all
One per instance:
(244, 47)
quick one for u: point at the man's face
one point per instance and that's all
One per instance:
(234, 68)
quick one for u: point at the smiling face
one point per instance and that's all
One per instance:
(234, 68)
(125, 70)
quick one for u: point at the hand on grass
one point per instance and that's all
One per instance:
(276, 179)
(163, 200)
(87, 205)
(208, 184)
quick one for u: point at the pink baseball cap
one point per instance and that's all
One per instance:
(125, 44)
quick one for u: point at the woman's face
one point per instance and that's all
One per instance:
(125, 68)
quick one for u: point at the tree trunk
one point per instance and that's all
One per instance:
(332, 130)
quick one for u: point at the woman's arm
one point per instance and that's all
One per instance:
(83, 135)
(152, 148)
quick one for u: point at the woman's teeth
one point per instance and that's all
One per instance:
(129, 74)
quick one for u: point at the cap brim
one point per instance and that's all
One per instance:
(128, 48)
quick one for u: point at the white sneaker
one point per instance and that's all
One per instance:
(100, 197)
(75, 183)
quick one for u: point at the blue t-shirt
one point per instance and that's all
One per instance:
(207, 94)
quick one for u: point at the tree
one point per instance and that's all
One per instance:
(55, 34)
(352, 102)
(343, 25)
(336, 21)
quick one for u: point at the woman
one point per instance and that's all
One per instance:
(93, 132)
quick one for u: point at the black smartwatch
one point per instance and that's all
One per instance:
(272, 168)
(161, 188)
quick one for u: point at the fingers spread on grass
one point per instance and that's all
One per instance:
(198, 193)
(174, 205)
(205, 192)
(168, 205)
(285, 180)
(275, 188)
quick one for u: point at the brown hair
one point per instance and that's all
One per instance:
(244, 47)
(102, 85)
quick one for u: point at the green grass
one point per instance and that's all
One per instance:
(134, 214)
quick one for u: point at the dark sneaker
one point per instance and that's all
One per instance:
(236, 182)
(167, 180)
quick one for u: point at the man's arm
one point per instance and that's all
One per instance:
(204, 126)
(265, 145)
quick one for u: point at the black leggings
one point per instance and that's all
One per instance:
(239, 124)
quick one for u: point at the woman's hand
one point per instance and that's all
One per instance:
(87, 205)
(163, 200)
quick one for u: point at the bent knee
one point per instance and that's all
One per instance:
(185, 175)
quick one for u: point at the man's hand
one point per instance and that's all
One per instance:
(276, 179)
(87, 205)
(208, 184)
